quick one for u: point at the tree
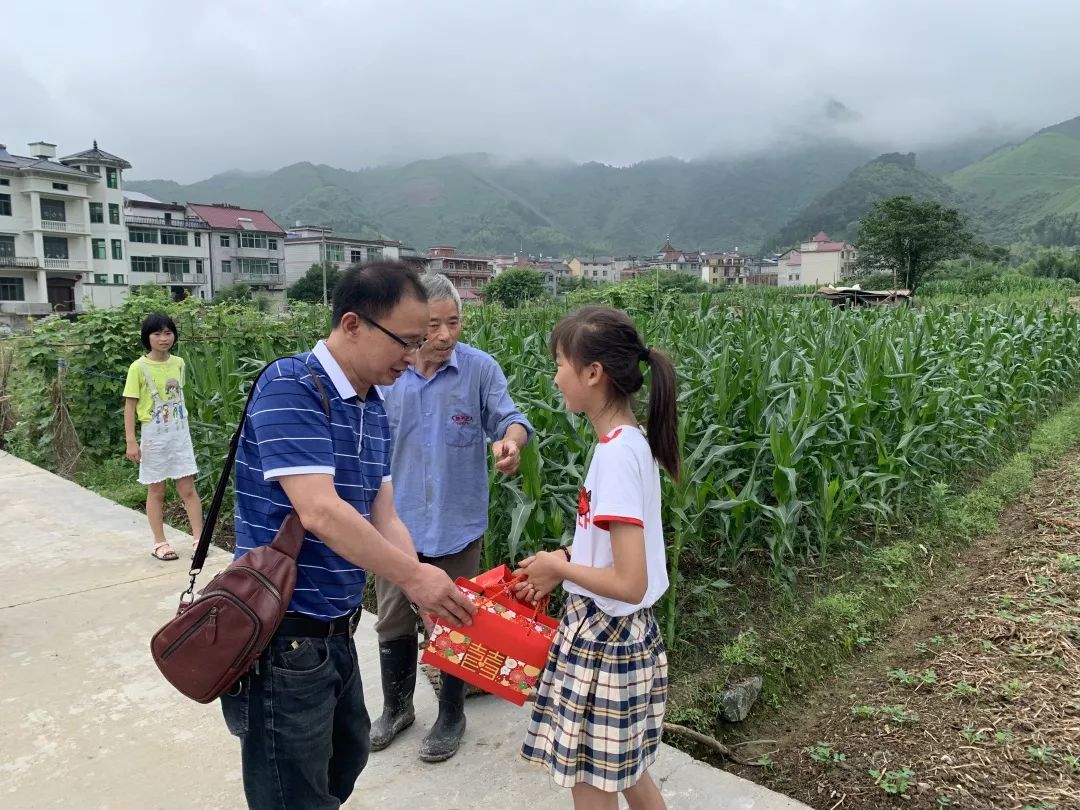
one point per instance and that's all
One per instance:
(513, 287)
(237, 292)
(907, 237)
(310, 286)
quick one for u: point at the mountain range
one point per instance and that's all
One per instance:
(481, 204)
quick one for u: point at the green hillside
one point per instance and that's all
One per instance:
(838, 211)
(482, 204)
(1027, 189)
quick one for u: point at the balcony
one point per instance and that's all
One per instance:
(161, 222)
(63, 227)
(65, 264)
(264, 279)
(185, 279)
(19, 261)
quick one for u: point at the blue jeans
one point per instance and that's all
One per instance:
(302, 724)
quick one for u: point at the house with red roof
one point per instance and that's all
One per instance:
(246, 247)
(823, 261)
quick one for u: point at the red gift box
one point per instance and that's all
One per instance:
(505, 649)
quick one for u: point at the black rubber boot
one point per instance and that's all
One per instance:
(397, 659)
(444, 739)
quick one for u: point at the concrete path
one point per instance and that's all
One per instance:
(87, 721)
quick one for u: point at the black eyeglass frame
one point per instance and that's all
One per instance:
(409, 346)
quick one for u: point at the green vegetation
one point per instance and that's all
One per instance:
(838, 211)
(1032, 187)
(515, 287)
(310, 287)
(909, 238)
(809, 432)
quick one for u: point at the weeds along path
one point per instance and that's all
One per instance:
(974, 701)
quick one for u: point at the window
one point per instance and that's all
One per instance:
(224, 240)
(97, 212)
(53, 210)
(259, 267)
(198, 266)
(356, 256)
(144, 235)
(259, 240)
(374, 254)
(226, 267)
(101, 278)
(466, 283)
(5, 206)
(11, 289)
(144, 264)
(56, 247)
(271, 243)
(198, 240)
(335, 253)
(175, 267)
(114, 213)
(174, 238)
(117, 249)
(94, 170)
(118, 278)
(7, 247)
(60, 186)
(112, 178)
(4, 181)
(99, 248)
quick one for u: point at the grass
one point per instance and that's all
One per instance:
(798, 641)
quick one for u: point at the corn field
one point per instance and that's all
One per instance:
(799, 422)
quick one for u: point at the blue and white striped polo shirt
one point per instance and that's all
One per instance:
(286, 432)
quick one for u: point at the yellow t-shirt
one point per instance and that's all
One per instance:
(168, 377)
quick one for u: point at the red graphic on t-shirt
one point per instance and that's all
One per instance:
(584, 507)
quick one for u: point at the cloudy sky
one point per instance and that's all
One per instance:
(186, 89)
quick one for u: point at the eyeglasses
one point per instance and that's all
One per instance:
(409, 346)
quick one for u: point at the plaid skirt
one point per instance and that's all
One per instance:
(600, 700)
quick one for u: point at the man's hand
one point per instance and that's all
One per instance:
(432, 591)
(507, 456)
(133, 452)
(544, 572)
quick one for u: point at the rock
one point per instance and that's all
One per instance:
(737, 700)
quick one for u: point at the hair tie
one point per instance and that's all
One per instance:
(645, 356)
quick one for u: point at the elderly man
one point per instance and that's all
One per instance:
(316, 440)
(441, 412)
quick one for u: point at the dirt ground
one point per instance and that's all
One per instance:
(974, 699)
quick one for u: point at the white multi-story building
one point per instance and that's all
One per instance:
(246, 247)
(62, 237)
(826, 262)
(167, 247)
(306, 245)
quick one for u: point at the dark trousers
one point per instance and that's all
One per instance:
(302, 724)
(396, 616)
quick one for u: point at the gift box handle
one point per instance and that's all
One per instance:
(506, 588)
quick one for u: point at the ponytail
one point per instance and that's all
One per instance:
(662, 423)
(598, 334)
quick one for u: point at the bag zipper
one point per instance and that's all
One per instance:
(259, 575)
(211, 616)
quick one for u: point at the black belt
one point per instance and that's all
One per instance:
(297, 624)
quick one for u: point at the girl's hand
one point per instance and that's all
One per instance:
(133, 452)
(544, 572)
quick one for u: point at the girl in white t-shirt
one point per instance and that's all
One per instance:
(599, 709)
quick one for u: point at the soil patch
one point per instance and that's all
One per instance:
(974, 699)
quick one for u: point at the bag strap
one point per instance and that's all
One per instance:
(210, 521)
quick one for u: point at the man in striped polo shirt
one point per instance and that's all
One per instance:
(300, 712)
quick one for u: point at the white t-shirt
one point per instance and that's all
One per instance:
(622, 485)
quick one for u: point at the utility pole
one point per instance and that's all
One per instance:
(322, 261)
